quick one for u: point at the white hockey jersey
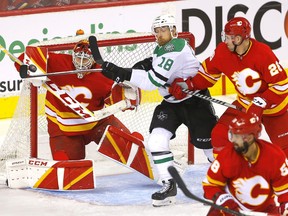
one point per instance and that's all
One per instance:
(176, 59)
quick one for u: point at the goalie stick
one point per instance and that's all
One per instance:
(69, 101)
(174, 173)
(10, 55)
(98, 58)
(24, 73)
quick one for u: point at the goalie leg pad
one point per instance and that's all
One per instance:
(48, 174)
(126, 149)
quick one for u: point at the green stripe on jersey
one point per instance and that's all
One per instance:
(154, 81)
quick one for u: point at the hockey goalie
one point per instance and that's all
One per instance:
(79, 108)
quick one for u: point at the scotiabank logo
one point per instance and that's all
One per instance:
(256, 23)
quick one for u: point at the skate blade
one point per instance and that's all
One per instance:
(165, 202)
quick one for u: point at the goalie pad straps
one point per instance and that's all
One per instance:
(126, 149)
(49, 174)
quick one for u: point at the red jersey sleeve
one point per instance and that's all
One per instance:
(209, 72)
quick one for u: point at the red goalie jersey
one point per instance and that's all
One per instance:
(253, 185)
(256, 74)
(90, 91)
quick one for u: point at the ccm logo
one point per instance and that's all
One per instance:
(37, 163)
(69, 101)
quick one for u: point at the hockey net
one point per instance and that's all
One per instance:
(27, 135)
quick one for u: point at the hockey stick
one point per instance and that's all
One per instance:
(174, 173)
(81, 110)
(98, 58)
(72, 103)
(95, 50)
(33, 68)
(214, 100)
(24, 75)
(14, 58)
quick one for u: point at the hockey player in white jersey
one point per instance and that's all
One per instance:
(172, 59)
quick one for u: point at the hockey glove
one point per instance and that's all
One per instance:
(145, 64)
(283, 209)
(225, 200)
(257, 106)
(176, 88)
(113, 72)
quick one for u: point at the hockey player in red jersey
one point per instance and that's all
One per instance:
(242, 177)
(69, 132)
(260, 82)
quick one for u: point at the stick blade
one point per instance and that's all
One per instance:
(95, 49)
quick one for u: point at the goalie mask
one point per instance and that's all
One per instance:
(82, 57)
(166, 20)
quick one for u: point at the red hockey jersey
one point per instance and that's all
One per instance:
(256, 73)
(89, 91)
(252, 184)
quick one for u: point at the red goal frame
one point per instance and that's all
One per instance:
(121, 41)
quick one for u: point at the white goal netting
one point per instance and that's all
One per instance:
(122, 49)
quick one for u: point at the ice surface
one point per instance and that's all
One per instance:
(118, 192)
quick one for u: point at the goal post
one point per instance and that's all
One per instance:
(28, 127)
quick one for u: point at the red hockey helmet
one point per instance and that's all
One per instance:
(246, 124)
(238, 26)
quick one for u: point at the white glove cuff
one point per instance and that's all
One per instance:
(223, 198)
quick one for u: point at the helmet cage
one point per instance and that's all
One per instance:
(82, 57)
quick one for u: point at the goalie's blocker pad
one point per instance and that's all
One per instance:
(127, 149)
(36, 59)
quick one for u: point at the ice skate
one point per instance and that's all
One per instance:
(166, 196)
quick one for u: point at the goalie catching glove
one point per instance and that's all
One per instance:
(225, 200)
(177, 87)
(113, 72)
(127, 92)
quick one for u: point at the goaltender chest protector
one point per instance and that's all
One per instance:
(90, 91)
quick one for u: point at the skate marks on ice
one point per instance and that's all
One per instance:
(131, 189)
